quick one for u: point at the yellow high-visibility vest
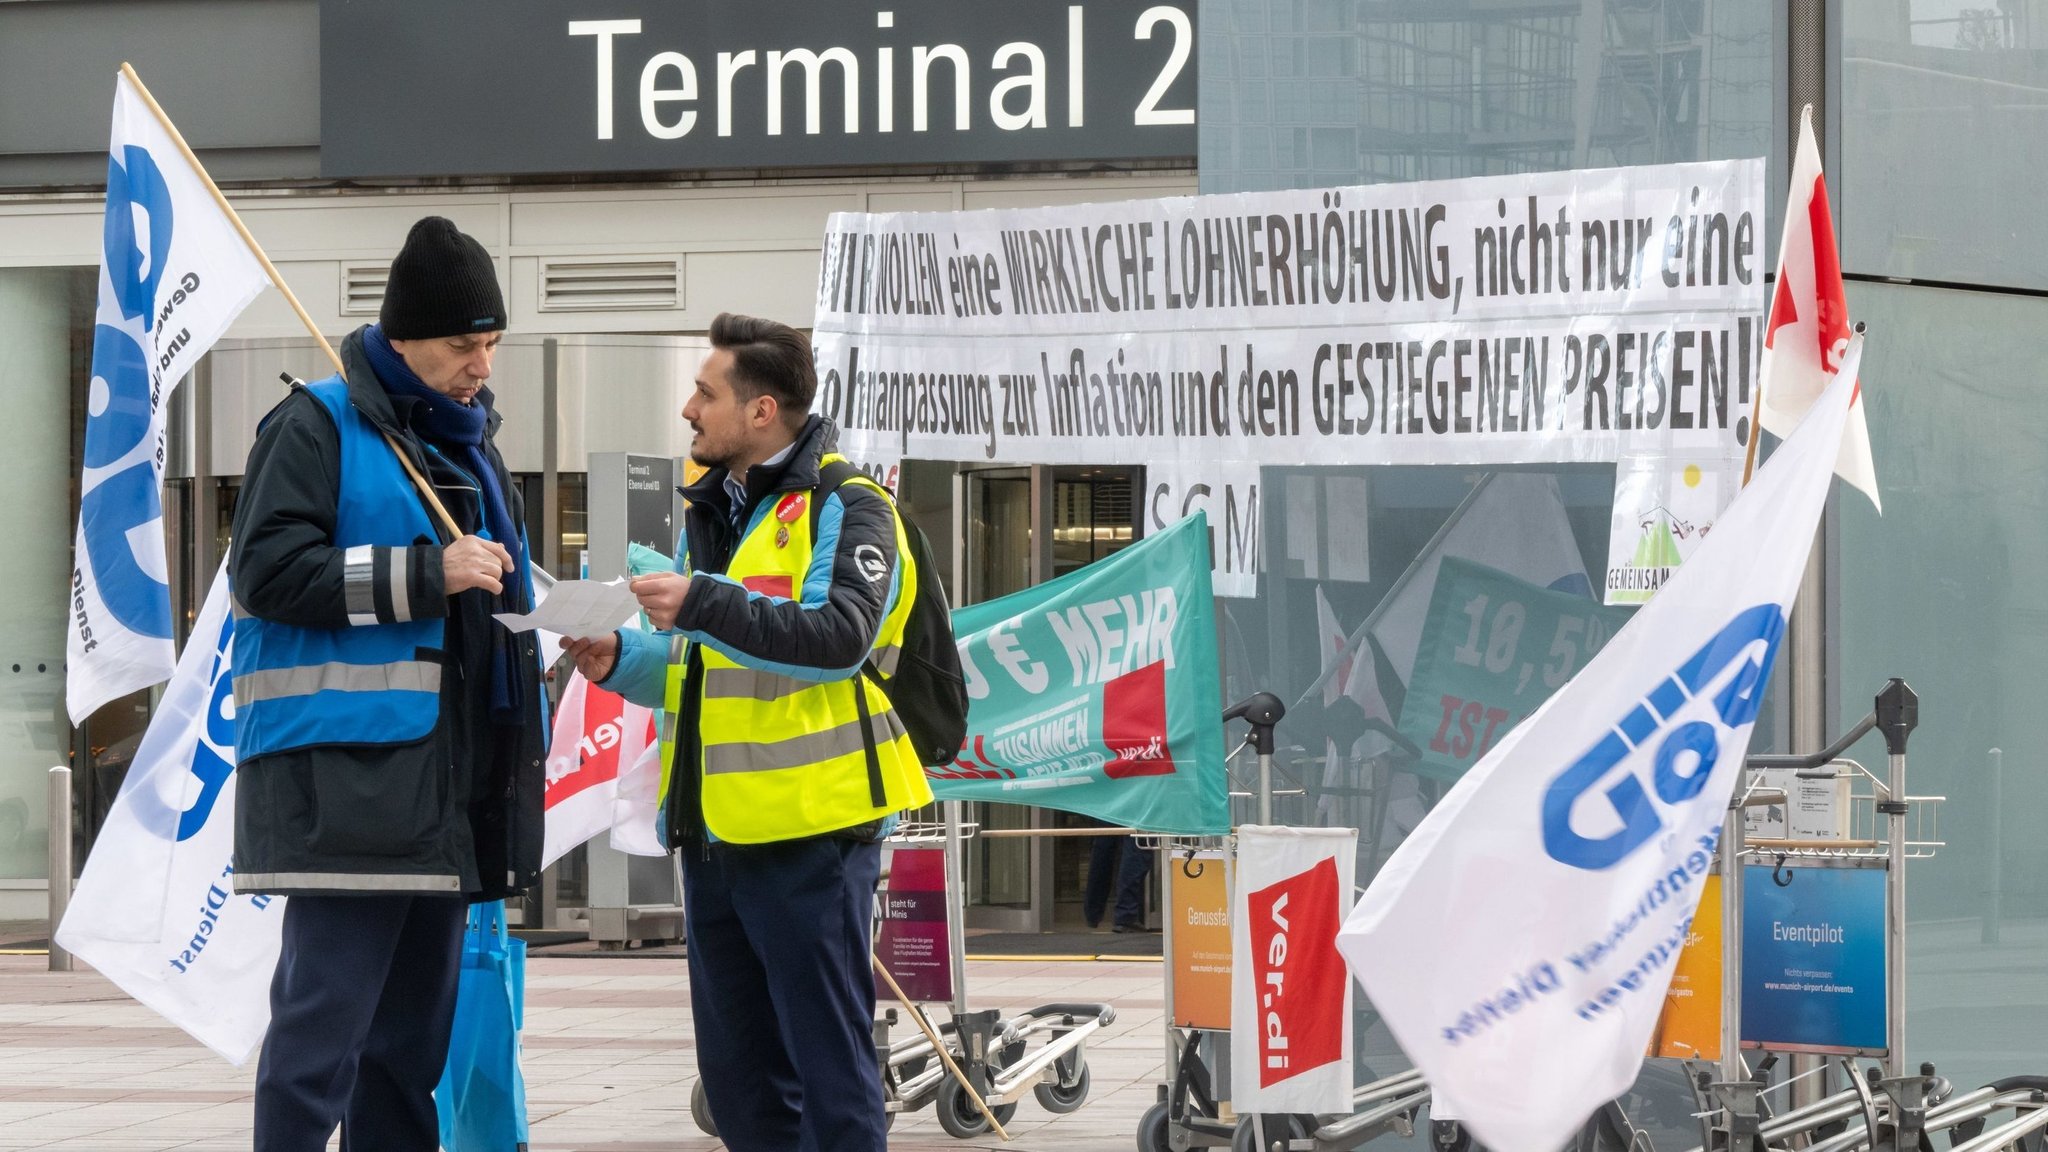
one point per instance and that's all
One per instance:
(783, 757)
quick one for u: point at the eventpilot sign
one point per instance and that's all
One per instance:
(423, 88)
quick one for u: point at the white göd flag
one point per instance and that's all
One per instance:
(1520, 941)
(174, 273)
(156, 910)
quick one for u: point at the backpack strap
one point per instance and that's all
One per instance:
(832, 476)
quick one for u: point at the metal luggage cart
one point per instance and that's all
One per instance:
(1881, 1106)
(1190, 1110)
(1040, 1052)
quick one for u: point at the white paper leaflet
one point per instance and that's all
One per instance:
(174, 274)
(1290, 1010)
(1519, 943)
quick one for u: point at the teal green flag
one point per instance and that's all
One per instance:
(1097, 693)
(1493, 649)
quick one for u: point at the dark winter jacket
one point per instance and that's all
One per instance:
(458, 812)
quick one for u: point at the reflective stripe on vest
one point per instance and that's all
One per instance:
(367, 683)
(781, 756)
(807, 748)
(276, 683)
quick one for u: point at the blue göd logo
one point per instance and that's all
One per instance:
(137, 240)
(213, 754)
(1728, 669)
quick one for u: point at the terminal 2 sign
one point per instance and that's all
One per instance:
(425, 88)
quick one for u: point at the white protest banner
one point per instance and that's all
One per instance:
(155, 910)
(174, 273)
(1290, 999)
(1518, 944)
(1566, 316)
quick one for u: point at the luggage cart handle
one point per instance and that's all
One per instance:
(1262, 710)
(1895, 715)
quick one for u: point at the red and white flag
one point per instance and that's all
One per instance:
(1809, 328)
(1290, 1014)
(597, 734)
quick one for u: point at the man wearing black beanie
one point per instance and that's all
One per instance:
(390, 733)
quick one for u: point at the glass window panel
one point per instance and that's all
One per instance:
(1944, 591)
(45, 335)
(1943, 119)
(1461, 90)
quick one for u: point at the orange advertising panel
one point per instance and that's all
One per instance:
(1690, 1026)
(1201, 943)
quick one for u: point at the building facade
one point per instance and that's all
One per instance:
(565, 142)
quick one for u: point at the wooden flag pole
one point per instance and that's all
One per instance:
(234, 217)
(939, 1046)
(426, 490)
(1756, 432)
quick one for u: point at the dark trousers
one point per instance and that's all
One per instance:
(1119, 856)
(783, 994)
(360, 1011)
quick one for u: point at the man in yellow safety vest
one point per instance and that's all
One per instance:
(782, 755)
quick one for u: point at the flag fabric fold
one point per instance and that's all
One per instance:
(1519, 942)
(600, 743)
(155, 910)
(174, 273)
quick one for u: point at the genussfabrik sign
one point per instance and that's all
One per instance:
(1097, 692)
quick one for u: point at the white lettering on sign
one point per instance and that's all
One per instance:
(1276, 990)
(1106, 638)
(1016, 77)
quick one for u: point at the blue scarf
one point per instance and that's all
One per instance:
(458, 429)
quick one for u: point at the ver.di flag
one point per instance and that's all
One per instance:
(1808, 334)
(174, 273)
(597, 766)
(1097, 692)
(1519, 943)
(1290, 997)
(155, 910)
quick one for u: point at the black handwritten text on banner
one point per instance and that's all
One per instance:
(1565, 316)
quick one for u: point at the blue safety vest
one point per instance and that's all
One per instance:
(367, 684)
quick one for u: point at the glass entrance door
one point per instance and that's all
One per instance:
(1001, 533)
(1023, 526)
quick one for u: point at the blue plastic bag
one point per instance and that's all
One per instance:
(482, 1095)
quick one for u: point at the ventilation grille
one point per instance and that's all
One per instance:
(590, 286)
(362, 288)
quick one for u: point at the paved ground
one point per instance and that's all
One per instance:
(609, 1061)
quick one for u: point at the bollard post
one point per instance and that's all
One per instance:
(1994, 886)
(60, 861)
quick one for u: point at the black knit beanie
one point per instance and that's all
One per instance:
(442, 284)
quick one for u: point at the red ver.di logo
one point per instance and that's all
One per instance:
(1134, 723)
(1297, 975)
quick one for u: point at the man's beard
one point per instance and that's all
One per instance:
(704, 454)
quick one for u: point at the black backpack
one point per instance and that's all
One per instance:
(928, 691)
